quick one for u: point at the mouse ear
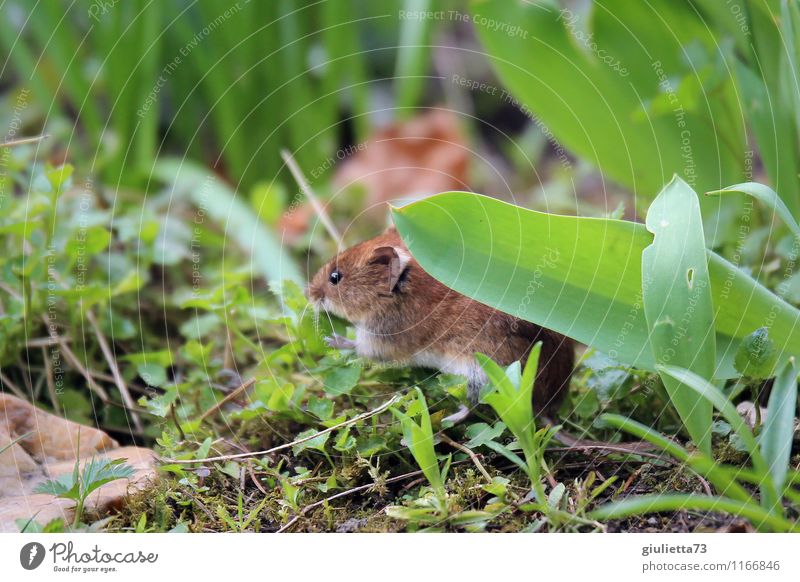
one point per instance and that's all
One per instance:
(396, 261)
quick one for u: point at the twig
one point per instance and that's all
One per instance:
(706, 486)
(23, 140)
(112, 364)
(227, 399)
(353, 420)
(173, 414)
(468, 451)
(73, 359)
(254, 478)
(324, 218)
(14, 388)
(45, 341)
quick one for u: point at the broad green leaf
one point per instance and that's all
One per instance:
(778, 432)
(161, 404)
(220, 203)
(578, 276)
(589, 75)
(677, 301)
(88, 243)
(322, 408)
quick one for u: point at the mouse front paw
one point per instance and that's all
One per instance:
(340, 342)
(458, 416)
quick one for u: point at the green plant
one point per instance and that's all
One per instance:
(419, 439)
(666, 78)
(79, 484)
(241, 522)
(769, 454)
(691, 330)
(295, 71)
(511, 398)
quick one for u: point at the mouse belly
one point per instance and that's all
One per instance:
(374, 347)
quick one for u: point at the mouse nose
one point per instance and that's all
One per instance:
(313, 292)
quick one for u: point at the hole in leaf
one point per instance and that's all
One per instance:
(690, 277)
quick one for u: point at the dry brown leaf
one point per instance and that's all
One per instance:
(50, 450)
(423, 156)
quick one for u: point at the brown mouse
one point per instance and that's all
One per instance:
(404, 316)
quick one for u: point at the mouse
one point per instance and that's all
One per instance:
(405, 317)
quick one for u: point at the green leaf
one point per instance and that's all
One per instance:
(99, 471)
(578, 276)
(419, 438)
(342, 379)
(554, 499)
(152, 374)
(59, 177)
(63, 486)
(317, 443)
(778, 432)
(90, 242)
(413, 56)
(677, 301)
(160, 405)
(322, 408)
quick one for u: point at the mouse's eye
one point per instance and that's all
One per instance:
(335, 277)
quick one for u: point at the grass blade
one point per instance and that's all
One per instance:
(766, 196)
(757, 515)
(721, 403)
(699, 463)
(777, 435)
(412, 57)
